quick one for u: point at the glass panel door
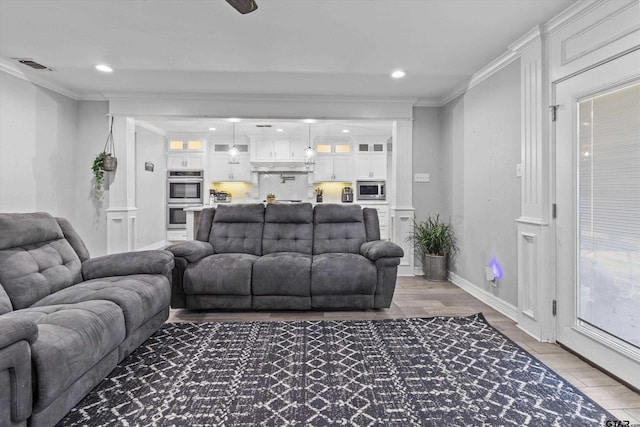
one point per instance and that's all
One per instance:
(597, 193)
(609, 213)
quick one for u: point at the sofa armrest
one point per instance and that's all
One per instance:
(14, 330)
(128, 263)
(377, 249)
(16, 395)
(192, 251)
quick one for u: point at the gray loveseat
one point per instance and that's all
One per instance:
(285, 257)
(66, 319)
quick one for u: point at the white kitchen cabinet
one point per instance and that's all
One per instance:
(184, 144)
(267, 150)
(371, 166)
(221, 170)
(332, 168)
(185, 153)
(185, 161)
(383, 217)
(371, 160)
(298, 148)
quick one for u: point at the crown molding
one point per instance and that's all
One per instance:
(570, 14)
(428, 102)
(258, 97)
(13, 69)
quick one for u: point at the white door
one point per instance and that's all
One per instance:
(597, 168)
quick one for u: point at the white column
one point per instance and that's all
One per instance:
(535, 239)
(121, 213)
(401, 193)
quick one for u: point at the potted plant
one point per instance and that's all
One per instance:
(105, 161)
(271, 198)
(99, 169)
(436, 242)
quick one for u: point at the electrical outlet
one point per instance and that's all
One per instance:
(421, 177)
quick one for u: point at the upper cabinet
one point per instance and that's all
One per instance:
(185, 153)
(334, 159)
(221, 170)
(371, 159)
(277, 150)
(185, 144)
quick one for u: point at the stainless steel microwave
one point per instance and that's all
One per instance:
(371, 190)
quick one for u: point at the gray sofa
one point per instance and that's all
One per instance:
(285, 257)
(66, 319)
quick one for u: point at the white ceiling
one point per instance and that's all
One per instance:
(287, 47)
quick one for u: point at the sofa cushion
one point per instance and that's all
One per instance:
(284, 273)
(238, 229)
(23, 229)
(338, 228)
(288, 228)
(72, 338)
(342, 274)
(35, 258)
(139, 296)
(224, 274)
(30, 273)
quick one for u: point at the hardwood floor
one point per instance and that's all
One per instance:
(416, 297)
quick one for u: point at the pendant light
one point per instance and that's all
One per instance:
(309, 153)
(233, 150)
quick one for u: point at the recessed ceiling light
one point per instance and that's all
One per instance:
(104, 68)
(309, 120)
(279, 130)
(398, 74)
(345, 131)
(212, 129)
(233, 120)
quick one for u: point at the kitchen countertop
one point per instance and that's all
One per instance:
(200, 208)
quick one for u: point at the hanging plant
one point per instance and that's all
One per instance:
(105, 161)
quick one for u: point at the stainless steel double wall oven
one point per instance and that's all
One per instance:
(185, 188)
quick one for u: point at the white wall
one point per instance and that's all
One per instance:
(38, 134)
(47, 146)
(427, 158)
(90, 221)
(150, 188)
(481, 133)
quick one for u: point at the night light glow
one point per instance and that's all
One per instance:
(495, 266)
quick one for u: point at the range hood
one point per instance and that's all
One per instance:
(274, 167)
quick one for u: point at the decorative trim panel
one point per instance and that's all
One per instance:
(600, 34)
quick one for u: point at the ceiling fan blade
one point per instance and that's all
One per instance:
(243, 6)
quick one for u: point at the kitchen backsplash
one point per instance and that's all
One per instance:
(285, 185)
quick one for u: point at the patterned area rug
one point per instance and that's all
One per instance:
(405, 372)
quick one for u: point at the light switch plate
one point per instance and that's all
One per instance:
(519, 170)
(421, 177)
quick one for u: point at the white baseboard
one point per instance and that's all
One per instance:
(157, 245)
(491, 300)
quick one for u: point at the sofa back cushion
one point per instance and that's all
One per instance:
(35, 258)
(338, 228)
(288, 228)
(238, 229)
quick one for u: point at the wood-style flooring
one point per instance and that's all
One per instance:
(416, 297)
